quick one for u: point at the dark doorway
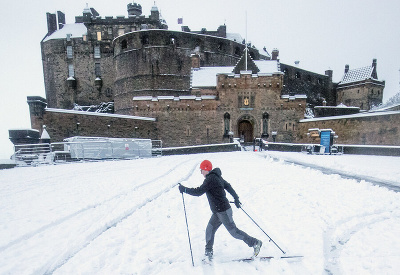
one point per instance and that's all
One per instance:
(246, 131)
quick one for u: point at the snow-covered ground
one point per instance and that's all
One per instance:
(127, 217)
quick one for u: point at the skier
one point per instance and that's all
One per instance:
(214, 186)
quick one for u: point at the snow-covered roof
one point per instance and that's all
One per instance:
(175, 98)
(75, 30)
(357, 75)
(364, 114)
(207, 76)
(98, 114)
(234, 37)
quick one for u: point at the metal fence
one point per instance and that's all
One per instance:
(87, 149)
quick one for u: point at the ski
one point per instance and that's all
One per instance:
(266, 258)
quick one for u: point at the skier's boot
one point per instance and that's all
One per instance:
(257, 247)
(209, 254)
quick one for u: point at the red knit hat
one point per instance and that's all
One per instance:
(206, 165)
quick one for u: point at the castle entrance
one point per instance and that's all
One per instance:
(245, 130)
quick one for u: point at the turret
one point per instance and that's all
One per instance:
(134, 9)
(155, 14)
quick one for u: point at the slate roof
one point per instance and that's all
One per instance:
(356, 75)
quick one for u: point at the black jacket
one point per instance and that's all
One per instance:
(214, 186)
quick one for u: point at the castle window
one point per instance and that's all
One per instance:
(69, 52)
(108, 92)
(265, 119)
(145, 40)
(124, 44)
(110, 31)
(227, 118)
(97, 69)
(97, 52)
(121, 31)
(98, 36)
(71, 72)
(188, 132)
(220, 46)
(237, 51)
(298, 76)
(84, 37)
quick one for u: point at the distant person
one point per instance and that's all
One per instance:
(214, 186)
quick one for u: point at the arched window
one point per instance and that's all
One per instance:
(172, 40)
(265, 118)
(227, 119)
(298, 76)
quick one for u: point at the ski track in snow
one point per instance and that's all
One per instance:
(153, 185)
(156, 181)
(337, 236)
(89, 207)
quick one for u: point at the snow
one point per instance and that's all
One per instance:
(76, 30)
(207, 76)
(126, 217)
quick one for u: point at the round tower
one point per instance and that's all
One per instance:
(134, 9)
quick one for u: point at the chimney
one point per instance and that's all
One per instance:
(221, 31)
(346, 68)
(329, 73)
(195, 61)
(275, 54)
(61, 19)
(51, 23)
(374, 74)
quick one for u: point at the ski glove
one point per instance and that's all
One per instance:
(182, 188)
(237, 203)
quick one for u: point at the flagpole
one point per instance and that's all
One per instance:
(246, 43)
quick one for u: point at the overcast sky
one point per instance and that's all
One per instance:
(321, 34)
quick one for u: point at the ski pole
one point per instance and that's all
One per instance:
(187, 227)
(270, 239)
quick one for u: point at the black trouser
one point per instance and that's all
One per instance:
(226, 219)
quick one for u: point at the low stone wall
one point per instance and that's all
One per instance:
(212, 148)
(378, 128)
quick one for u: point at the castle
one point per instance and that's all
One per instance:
(182, 87)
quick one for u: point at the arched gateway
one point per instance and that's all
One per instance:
(246, 128)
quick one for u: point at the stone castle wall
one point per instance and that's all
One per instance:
(61, 124)
(372, 129)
